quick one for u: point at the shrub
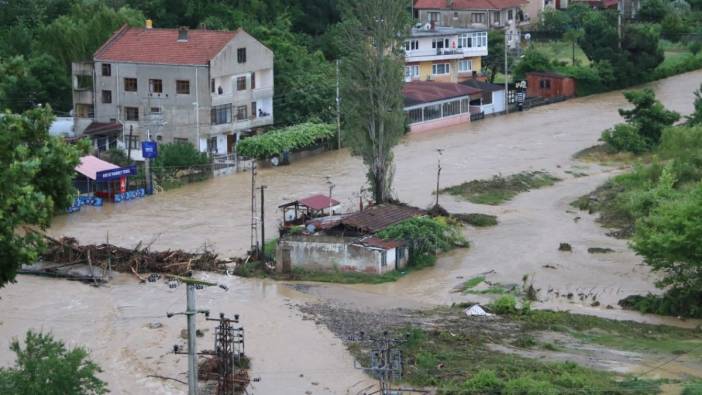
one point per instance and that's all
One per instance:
(178, 156)
(483, 382)
(675, 302)
(695, 47)
(297, 137)
(505, 304)
(426, 236)
(683, 147)
(693, 388)
(526, 385)
(625, 137)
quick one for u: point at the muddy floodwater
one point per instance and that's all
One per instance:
(292, 355)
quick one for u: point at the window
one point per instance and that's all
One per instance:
(434, 16)
(415, 115)
(241, 55)
(432, 112)
(183, 87)
(477, 17)
(106, 69)
(212, 85)
(253, 109)
(241, 113)
(439, 43)
(84, 82)
(465, 105)
(465, 66)
(155, 110)
(411, 71)
(510, 15)
(253, 80)
(107, 97)
(130, 84)
(241, 83)
(472, 40)
(545, 84)
(411, 45)
(155, 86)
(452, 108)
(455, 15)
(132, 113)
(221, 114)
(496, 17)
(84, 110)
(133, 142)
(440, 68)
(212, 144)
(181, 140)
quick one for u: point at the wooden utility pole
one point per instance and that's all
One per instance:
(263, 223)
(338, 109)
(438, 175)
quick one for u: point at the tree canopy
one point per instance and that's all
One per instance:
(37, 182)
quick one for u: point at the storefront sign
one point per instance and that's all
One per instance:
(115, 174)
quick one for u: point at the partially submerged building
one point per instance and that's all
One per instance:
(347, 242)
(430, 105)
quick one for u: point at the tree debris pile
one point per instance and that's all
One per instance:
(68, 251)
(210, 369)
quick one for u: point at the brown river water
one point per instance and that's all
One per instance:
(292, 355)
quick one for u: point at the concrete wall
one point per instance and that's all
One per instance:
(440, 123)
(463, 18)
(177, 110)
(327, 253)
(425, 70)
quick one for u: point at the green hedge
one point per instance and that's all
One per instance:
(293, 138)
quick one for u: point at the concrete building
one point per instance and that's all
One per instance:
(431, 105)
(444, 54)
(492, 14)
(200, 87)
(493, 96)
(347, 242)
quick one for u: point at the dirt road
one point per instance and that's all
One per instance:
(293, 355)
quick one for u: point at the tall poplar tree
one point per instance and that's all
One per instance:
(374, 121)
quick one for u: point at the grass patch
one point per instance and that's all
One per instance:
(606, 155)
(500, 189)
(459, 363)
(626, 335)
(473, 282)
(693, 388)
(477, 219)
(562, 52)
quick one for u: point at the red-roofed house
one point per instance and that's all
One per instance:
(431, 105)
(475, 13)
(201, 87)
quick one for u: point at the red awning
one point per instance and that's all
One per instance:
(90, 165)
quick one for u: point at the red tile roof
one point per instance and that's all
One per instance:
(161, 46)
(103, 128)
(418, 92)
(377, 242)
(318, 202)
(468, 4)
(378, 217)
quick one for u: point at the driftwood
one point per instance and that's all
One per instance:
(67, 251)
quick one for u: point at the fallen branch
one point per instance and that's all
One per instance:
(166, 378)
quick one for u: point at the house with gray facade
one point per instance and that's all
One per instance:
(484, 14)
(199, 86)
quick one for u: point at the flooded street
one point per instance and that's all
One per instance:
(292, 355)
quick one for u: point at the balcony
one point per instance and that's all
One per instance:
(241, 124)
(242, 97)
(419, 55)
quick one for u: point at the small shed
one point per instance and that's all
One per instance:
(298, 211)
(549, 84)
(493, 96)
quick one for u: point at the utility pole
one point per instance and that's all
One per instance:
(620, 10)
(263, 223)
(338, 109)
(147, 168)
(438, 175)
(331, 188)
(386, 364)
(229, 348)
(254, 220)
(506, 86)
(190, 312)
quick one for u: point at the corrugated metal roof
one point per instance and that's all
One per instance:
(377, 242)
(161, 46)
(89, 166)
(376, 218)
(318, 202)
(419, 92)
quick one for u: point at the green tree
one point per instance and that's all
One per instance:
(653, 10)
(573, 36)
(37, 181)
(36, 81)
(669, 240)
(674, 27)
(649, 116)
(45, 366)
(533, 60)
(373, 70)
(178, 156)
(495, 60)
(696, 117)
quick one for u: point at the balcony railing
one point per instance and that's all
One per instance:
(473, 51)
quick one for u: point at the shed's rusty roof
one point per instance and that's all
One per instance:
(378, 217)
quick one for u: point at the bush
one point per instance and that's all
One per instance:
(683, 147)
(526, 385)
(675, 302)
(293, 138)
(695, 47)
(483, 382)
(625, 137)
(693, 388)
(505, 304)
(426, 236)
